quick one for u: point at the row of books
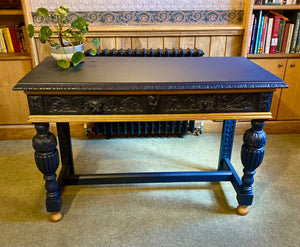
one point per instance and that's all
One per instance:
(271, 32)
(12, 39)
(276, 2)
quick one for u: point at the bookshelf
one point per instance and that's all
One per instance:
(9, 18)
(286, 65)
(13, 66)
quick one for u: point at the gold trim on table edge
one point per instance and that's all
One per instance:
(149, 117)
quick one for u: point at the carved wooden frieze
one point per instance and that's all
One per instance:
(148, 104)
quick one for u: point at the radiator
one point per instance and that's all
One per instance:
(134, 129)
(156, 128)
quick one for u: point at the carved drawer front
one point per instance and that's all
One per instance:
(148, 104)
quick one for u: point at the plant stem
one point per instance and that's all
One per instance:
(60, 32)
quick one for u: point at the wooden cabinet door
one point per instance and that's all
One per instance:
(277, 67)
(13, 104)
(289, 107)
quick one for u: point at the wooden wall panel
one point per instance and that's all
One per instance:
(213, 40)
(203, 43)
(233, 46)
(217, 46)
(187, 42)
(155, 42)
(124, 43)
(108, 43)
(139, 43)
(43, 50)
(171, 42)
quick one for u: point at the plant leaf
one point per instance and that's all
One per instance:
(81, 24)
(65, 8)
(60, 12)
(93, 52)
(96, 43)
(63, 63)
(45, 33)
(77, 58)
(42, 12)
(30, 29)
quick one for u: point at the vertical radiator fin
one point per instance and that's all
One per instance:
(154, 128)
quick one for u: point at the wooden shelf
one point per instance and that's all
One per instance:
(14, 56)
(277, 7)
(11, 12)
(276, 55)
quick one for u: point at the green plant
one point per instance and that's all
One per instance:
(67, 35)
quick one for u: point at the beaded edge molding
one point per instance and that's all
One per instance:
(112, 18)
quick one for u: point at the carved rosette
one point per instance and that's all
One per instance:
(35, 104)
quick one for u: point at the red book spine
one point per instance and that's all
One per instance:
(14, 39)
(274, 35)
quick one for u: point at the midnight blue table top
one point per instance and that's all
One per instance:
(150, 73)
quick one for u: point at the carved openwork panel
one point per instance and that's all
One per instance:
(148, 104)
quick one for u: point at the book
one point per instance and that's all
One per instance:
(285, 37)
(25, 37)
(253, 37)
(296, 21)
(278, 14)
(250, 34)
(19, 38)
(258, 33)
(8, 40)
(1, 42)
(263, 35)
(14, 39)
(268, 38)
(289, 41)
(274, 34)
(298, 43)
(4, 41)
(280, 35)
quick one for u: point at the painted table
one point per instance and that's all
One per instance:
(123, 89)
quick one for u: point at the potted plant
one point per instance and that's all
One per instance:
(70, 46)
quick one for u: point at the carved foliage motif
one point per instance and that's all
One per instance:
(149, 104)
(94, 104)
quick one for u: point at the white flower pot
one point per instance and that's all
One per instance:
(65, 53)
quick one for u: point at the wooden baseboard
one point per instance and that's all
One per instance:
(27, 131)
(271, 127)
(17, 132)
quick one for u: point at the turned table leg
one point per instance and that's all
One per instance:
(47, 161)
(252, 154)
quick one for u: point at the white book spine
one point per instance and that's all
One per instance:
(289, 40)
(269, 33)
(250, 34)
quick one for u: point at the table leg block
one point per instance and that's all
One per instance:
(47, 161)
(252, 154)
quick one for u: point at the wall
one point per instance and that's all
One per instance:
(213, 26)
(150, 12)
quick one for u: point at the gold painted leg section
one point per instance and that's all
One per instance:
(56, 216)
(242, 210)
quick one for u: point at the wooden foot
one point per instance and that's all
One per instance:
(56, 216)
(242, 210)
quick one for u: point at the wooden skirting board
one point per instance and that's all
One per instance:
(21, 132)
